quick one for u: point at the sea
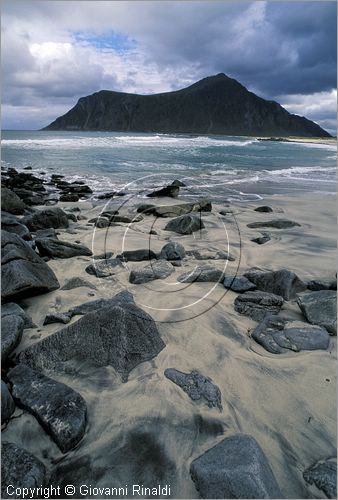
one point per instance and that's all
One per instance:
(218, 167)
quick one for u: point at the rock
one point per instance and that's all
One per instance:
(100, 222)
(264, 208)
(11, 203)
(137, 255)
(320, 308)
(72, 217)
(7, 403)
(322, 284)
(12, 224)
(202, 274)
(160, 269)
(178, 183)
(59, 409)
(78, 188)
(197, 386)
(210, 255)
(277, 335)
(109, 213)
(106, 196)
(282, 282)
(14, 309)
(46, 233)
(46, 218)
(121, 335)
(258, 304)
(185, 224)
(171, 191)
(172, 251)
(93, 305)
(277, 223)
(104, 255)
(238, 284)
(104, 268)
(234, 468)
(77, 282)
(69, 197)
(11, 333)
(260, 240)
(23, 272)
(175, 210)
(324, 476)
(145, 208)
(57, 317)
(55, 248)
(110, 218)
(20, 469)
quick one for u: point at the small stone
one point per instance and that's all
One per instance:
(172, 251)
(238, 284)
(202, 274)
(258, 304)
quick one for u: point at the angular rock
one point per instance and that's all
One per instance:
(160, 269)
(264, 208)
(277, 223)
(278, 335)
(11, 333)
(57, 317)
(12, 224)
(260, 240)
(104, 255)
(14, 309)
(282, 282)
(46, 218)
(238, 284)
(125, 219)
(137, 255)
(121, 335)
(7, 403)
(258, 304)
(210, 255)
(178, 183)
(234, 468)
(46, 233)
(202, 274)
(100, 222)
(69, 197)
(20, 469)
(322, 284)
(185, 224)
(105, 268)
(170, 191)
(172, 251)
(175, 210)
(197, 386)
(77, 282)
(324, 476)
(320, 308)
(54, 248)
(145, 208)
(60, 410)
(10, 202)
(23, 272)
(93, 305)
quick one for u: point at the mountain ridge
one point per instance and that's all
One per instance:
(216, 104)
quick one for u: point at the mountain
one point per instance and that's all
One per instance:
(215, 105)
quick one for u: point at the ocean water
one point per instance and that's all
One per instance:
(221, 167)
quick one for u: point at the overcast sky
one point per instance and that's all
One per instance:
(54, 52)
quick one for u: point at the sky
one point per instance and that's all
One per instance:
(54, 52)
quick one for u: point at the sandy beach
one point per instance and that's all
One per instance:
(148, 431)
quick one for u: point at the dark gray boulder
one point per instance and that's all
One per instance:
(121, 335)
(49, 217)
(282, 282)
(258, 304)
(238, 284)
(324, 476)
(322, 284)
(202, 274)
(260, 240)
(197, 386)
(278, 335)
(171, 191)
(100, 222)
(46, 233)
(175, 210)
(178, 183)
(320, 308)
(11, 203)
(57, 317)
(69, 197)
(185, 224)
(93, 305)
(145, 208)
(54, 248)
(20, 469)
(264, 208)
(7, 403)
(12, 308)
(137, 255)
(210, 255)
(104, 268)
(23, 272)
(77, 282)
(172, 251)
(11, 333)
(60, 410)
(160, 269)
(103, 255)
(234, 468)
(125, 219)
(277, 223)
(12, 224)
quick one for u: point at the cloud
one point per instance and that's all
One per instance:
(55, 52)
